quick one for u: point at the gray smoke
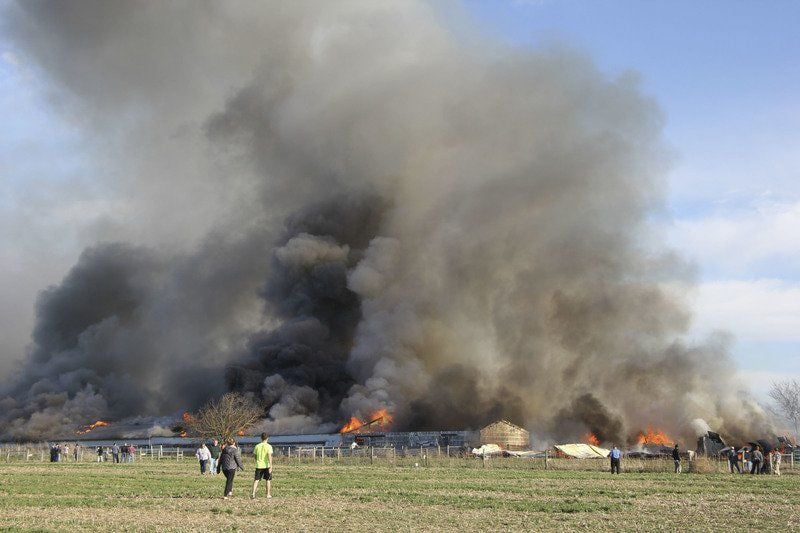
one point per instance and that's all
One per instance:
(349, 206)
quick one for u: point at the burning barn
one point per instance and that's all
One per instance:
(506, 435)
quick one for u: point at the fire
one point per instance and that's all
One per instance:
(354, 423)
(591, 438)
(380, 418)
(654, 436)
(240, 433)
(181, 429)
(88, 427)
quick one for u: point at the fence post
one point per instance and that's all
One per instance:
(545, 459)
(483, 459)
(371, 455)
(338, 453)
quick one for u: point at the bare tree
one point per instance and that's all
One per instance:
(786, 395)
(226, 417)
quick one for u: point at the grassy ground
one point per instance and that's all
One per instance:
(171, 495)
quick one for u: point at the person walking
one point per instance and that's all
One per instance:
(615, 456)
(757, 458)
(263, 455)
(733, 460)
(676, 457)
(204, 456)
(215, 451)
(229, 462)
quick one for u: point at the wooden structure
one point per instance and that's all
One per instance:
(506, 435)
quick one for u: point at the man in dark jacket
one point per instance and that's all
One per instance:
(229, 461)
(733, 460)
(676, 457)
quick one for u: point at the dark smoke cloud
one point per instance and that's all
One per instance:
(346, 207)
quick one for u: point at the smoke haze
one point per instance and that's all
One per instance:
(341, 207)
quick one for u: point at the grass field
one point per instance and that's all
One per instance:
(171, 495)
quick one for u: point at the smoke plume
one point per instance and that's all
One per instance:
(343, 207)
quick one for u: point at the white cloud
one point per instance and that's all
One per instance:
(10, 58)
(740, 240)
(765, 310)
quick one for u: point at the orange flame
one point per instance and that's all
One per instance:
(353, 424)
(240, 433)
(183, 434)
(591, 438)
(654, 436)
(380, 418)
(88, 427)
(188, 418)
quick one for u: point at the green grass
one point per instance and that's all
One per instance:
(171, 495)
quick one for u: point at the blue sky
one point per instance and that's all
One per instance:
(727, 77)
(725, 73)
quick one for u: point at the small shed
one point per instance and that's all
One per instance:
(506, 435)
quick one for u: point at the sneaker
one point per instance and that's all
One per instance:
(252, 496)
(269, 496)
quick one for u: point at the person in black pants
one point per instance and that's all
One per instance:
(757, 459)
(229, 462)
(733, 460)
(676, 458)
(615, 455)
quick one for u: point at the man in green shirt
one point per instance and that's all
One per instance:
(215, 452)
(263, 455)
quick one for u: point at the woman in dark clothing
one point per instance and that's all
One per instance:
(229, 461)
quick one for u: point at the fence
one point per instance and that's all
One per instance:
(440, 456)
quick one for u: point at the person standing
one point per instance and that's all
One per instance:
(776, 462)
(204, 456)
(230, 461)
(99, 454)
(615, 456)
(263, 455)
(733, 460)
(115, 453)
(757, 458)
(676, 457)
(132, 453)
(214, 450)
(76, 450)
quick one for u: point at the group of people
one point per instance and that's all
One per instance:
(754, 461)
(209, 457)
(125, 453)
(228, 460)
(59, 452)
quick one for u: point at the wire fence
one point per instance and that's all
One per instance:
(422, 457)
